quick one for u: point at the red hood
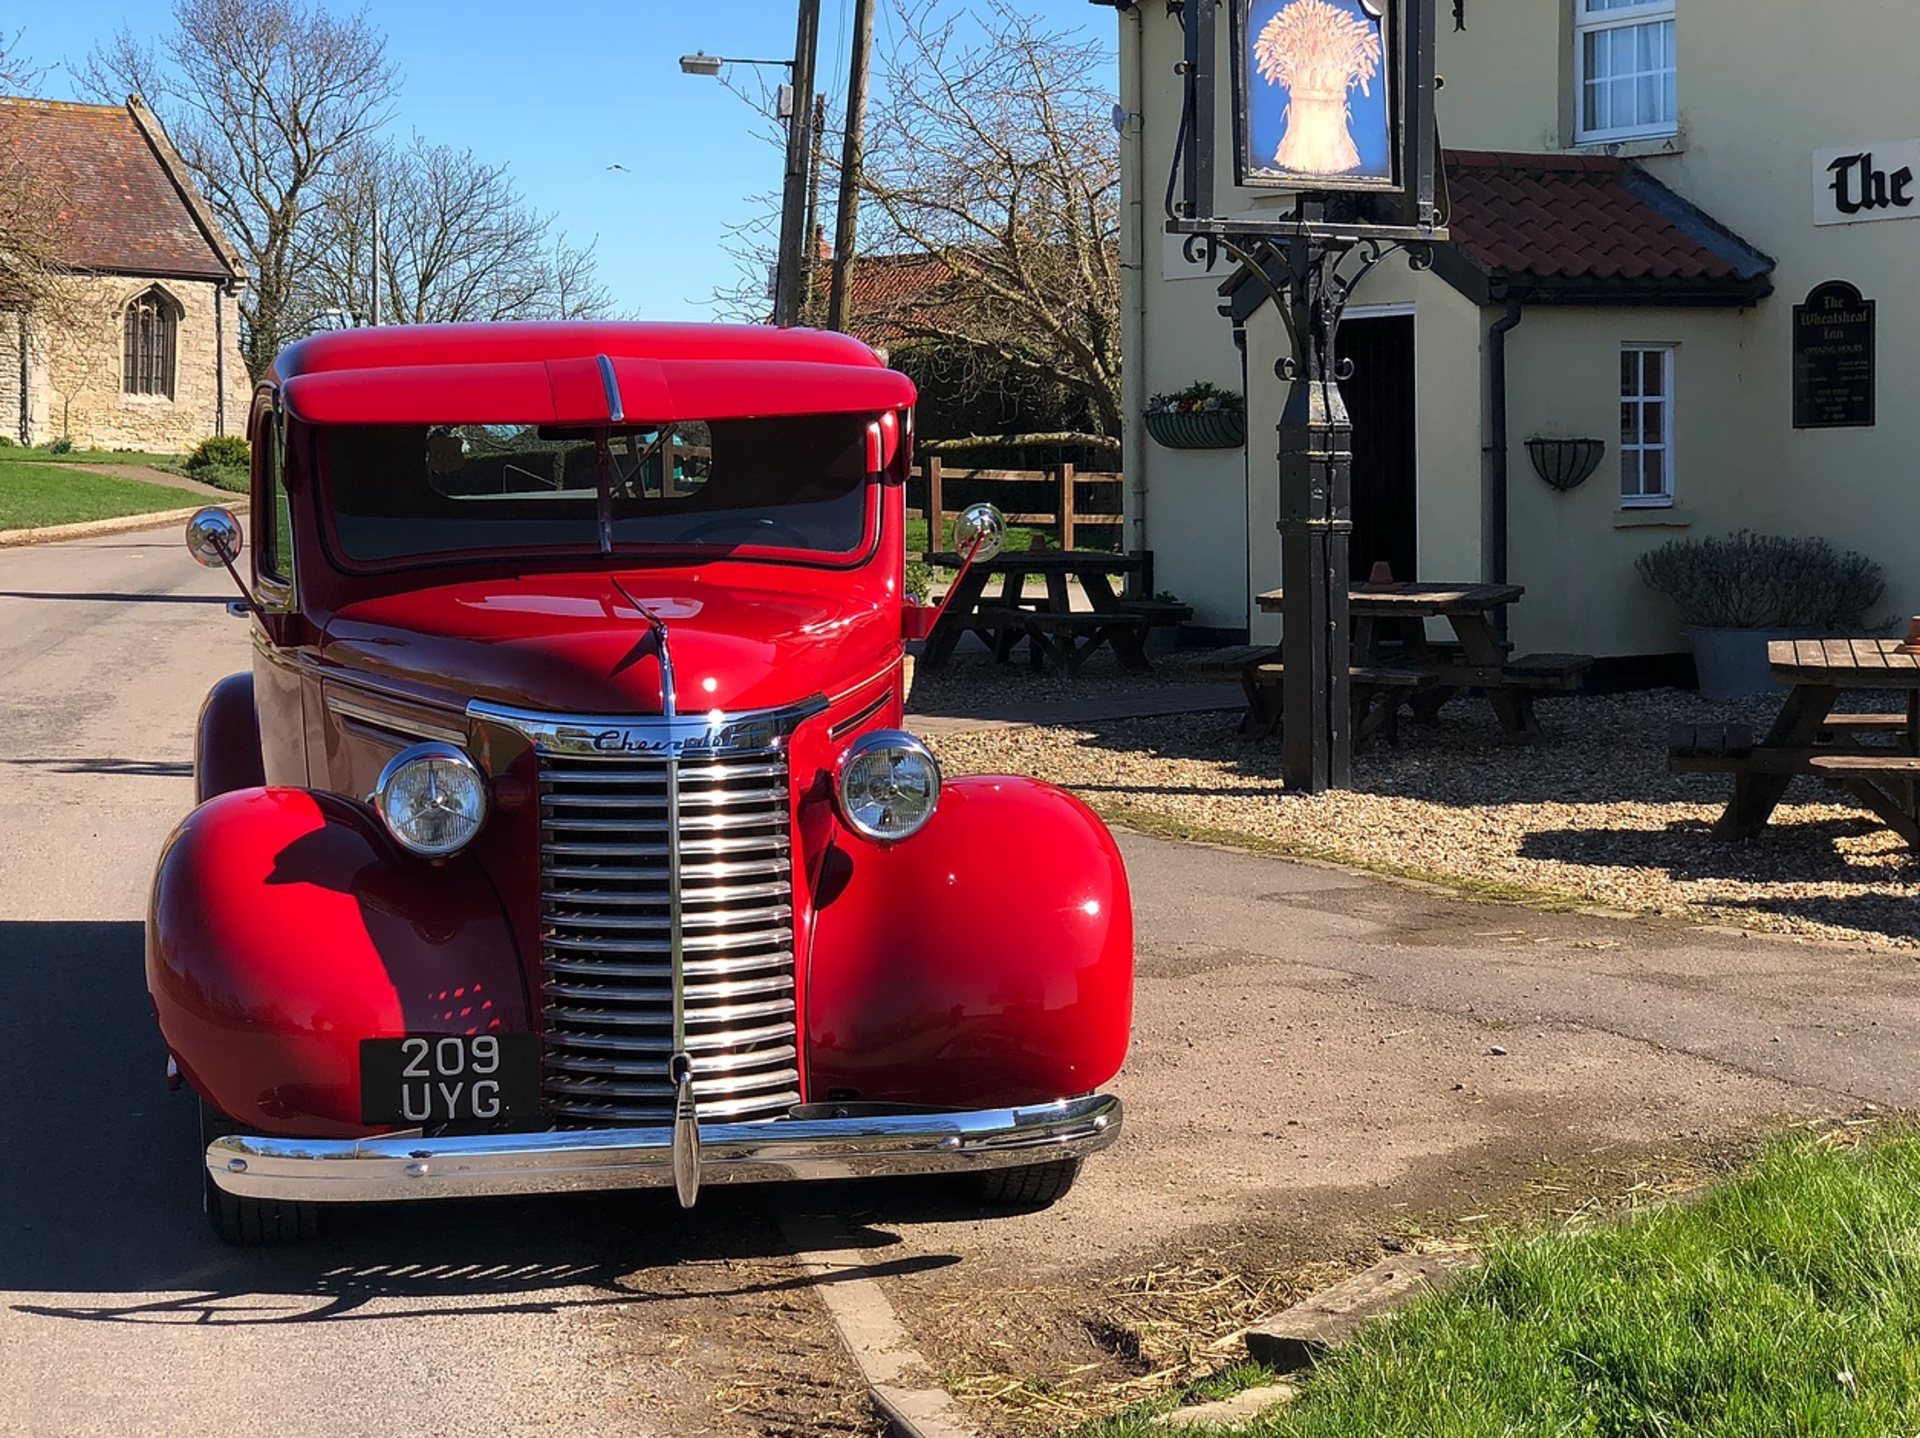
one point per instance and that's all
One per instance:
(760, 636)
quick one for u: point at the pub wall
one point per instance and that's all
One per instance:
(1762, 85)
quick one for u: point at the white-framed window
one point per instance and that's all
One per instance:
(1646, 425)
(1624, 70)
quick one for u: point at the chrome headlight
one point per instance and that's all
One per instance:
(433, 799)
(889, 785)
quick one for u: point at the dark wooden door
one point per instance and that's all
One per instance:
(1379, 400)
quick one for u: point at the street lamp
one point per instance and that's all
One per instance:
(797, 111)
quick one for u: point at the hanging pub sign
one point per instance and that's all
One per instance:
(1833, 359)
(1332, 104)
(1315, 95)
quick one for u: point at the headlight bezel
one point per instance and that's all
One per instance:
(893, 739)
(433, 749)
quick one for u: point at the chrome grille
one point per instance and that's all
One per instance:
(606, 950)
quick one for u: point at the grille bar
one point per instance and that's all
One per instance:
(607, 922)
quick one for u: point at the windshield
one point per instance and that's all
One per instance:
(403, 492)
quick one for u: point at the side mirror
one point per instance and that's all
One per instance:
(979, 532)
(213, 537)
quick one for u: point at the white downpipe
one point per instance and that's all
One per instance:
(1133, 280)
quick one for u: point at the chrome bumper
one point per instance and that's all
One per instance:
(401, 1167)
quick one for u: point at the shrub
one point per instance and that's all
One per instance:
(1197, 398)
(1764, 581)
(222, 449)
(919, 581)
(235, 478)
(62, 445)
(6, 441)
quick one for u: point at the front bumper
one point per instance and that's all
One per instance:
(570, 1161)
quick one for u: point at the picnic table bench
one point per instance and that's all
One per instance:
(1390, 634)
(1808, 737)
(1055, 632)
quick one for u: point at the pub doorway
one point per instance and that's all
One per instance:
(1380, 402)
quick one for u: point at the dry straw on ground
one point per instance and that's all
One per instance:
(1590, 815)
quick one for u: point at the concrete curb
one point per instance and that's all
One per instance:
(890, 1366)
(121, 524)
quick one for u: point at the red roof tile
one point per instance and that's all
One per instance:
(120, 210)
(1571, 217)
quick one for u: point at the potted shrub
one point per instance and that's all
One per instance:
(1201, 416)
(1737, 593)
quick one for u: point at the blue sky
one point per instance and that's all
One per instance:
(563, 89)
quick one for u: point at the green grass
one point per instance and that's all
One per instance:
(34, 495)
(92, 456)
(1785, 1302)
(234, 478)
(1019, 536)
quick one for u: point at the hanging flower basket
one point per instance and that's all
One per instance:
(1199, 429)
(1201, 416)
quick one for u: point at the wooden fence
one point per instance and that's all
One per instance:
(1067, 515)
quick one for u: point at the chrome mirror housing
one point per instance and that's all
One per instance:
(213, 537)
(981, 522)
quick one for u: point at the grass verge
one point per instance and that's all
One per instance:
(35, 495)
(170, 462)
(1489, 891)
(1784, 1301)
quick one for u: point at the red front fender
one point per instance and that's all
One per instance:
(986, 960)
(286, 926)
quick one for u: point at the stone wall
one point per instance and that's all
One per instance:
(75, 368)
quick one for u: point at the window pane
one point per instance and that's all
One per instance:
(1629, 373)
(1653, 424)
(1629, 424)
(1629, 473)
(1654, 381)
(1654, 475)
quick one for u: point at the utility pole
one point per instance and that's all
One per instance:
(809, 296)
(376, 262)
(851, 157)
(793, 198)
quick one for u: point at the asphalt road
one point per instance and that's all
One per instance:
(1309, 1044)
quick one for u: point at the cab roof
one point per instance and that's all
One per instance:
(581, 373)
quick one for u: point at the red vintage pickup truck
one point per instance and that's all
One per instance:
(564, 834)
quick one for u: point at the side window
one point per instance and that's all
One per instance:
(1646, 425)
(276, 535)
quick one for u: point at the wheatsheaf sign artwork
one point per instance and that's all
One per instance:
(1314, 100)
(1833, 359)
(1856, 183)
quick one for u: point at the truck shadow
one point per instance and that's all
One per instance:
(102, 1207)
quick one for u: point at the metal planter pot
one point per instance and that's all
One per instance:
(1732, 663)
(1199, 429)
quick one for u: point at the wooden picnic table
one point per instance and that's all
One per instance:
(1056, 632)
(1390, 637)
(1808, 737)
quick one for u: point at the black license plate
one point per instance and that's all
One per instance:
(449, 1078)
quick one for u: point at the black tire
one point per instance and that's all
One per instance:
(249, 1222)
(1033, 1187)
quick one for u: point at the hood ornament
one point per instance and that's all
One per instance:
(686, 1109)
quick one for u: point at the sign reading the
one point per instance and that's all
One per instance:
(1856, 183)
(1833, 359)
(1315, 95)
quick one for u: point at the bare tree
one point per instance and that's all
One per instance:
(993, 153)
(263, 99)
(29, 210)
(458, 242)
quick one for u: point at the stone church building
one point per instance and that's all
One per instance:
(138, 347)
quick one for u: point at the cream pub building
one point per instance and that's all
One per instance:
(1658, 208)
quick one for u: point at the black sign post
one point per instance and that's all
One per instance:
(1332, 104)
(1833, 359)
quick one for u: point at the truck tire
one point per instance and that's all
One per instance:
(249, 1222)
(1034, 1187)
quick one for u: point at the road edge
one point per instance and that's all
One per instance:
(870, 1332)
(119, 524)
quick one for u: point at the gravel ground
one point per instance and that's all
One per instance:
(1589, 814)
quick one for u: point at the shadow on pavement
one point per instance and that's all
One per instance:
(101, 1194)
(136, 768)
(99, 597)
